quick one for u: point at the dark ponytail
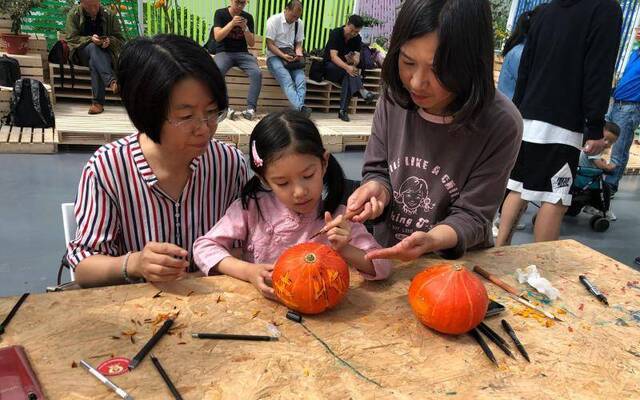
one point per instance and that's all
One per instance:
(293, 130)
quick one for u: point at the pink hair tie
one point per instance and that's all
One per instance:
(257, 161)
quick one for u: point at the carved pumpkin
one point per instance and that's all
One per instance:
(310, 278)
(448, 298)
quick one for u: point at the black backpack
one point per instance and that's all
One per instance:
(211, 44)
(60, 55)
(9, 71)
(30, 105)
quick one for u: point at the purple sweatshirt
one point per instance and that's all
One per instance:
(440, 176)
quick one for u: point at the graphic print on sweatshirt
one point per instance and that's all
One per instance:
(415, 182)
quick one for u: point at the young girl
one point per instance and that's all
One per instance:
(296, 190)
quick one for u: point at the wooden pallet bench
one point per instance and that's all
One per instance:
(31, 65)
(14, 139)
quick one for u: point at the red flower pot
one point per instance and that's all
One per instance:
(15, 44)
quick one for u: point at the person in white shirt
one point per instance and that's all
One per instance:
(285, 33)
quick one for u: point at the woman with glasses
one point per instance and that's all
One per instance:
(143, 200)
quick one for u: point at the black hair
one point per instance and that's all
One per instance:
(292, 4)
(149, 68)
(612, 127)
(463, 62)
(291, 130)
(356, 21)
(520, 31)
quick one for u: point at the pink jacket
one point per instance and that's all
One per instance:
(264, 237)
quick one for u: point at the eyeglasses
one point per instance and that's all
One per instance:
(193, 123)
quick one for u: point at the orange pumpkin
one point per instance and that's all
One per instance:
(448, 298)
(310, 278)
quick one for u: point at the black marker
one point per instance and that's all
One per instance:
(513, 336)
(592, 289)
(228, 336)
(152, 342)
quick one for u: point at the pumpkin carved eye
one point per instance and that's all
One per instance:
(310, 278)
(448, 298)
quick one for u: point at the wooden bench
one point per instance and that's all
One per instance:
(81, 87)
(14, 139)
(325, 96)
(31, 65)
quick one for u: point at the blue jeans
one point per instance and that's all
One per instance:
(292, 82)
(99, 62)
(627, 116)
(248, 63)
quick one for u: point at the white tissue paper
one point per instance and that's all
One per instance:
(533, 278)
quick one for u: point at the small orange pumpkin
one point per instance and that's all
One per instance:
(448, 298)
(310, 278)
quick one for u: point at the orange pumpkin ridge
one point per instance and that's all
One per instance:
(310, 278)
(448, 298)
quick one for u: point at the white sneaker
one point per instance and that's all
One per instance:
(249, 114)
(611, 216)
(494, 230)
(591, 210)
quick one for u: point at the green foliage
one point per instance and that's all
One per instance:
(500, 12)
(17, 10)
(370, 21)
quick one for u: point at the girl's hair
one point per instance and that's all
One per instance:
(520, 31)
(290, 131)
(463, 62)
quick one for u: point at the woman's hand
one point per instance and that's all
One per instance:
(158, 262)
(96, 40)
(339, 234)
(260, 277)
(409, 248)
(371, 198)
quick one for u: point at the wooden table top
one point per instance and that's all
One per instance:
(386, 352)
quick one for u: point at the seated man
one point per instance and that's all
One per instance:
(233, 32)
(284, 35)
(341, 60)
(95, 40)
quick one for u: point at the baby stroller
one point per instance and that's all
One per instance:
(589, 189)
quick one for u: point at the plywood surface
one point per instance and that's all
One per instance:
(595, 353)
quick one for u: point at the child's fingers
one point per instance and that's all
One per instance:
(327, 217)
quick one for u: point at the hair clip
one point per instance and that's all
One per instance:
(257, 161)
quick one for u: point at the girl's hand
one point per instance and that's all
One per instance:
(260, 277)
(340, 234)
(371, 198)
(158, 262)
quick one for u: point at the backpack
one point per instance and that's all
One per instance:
(60, 55)
(30, 105)
(9, 71)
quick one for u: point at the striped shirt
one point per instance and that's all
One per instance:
(120, 206)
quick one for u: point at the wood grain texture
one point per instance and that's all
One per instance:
(591, 355)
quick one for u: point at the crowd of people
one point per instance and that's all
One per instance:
(94, 37)
(447, 148)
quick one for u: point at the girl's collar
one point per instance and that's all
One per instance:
(433, 118)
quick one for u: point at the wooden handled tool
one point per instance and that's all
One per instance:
(347, 216)
(512, 291)
(495, 280)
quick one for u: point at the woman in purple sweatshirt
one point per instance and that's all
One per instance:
(443, 140)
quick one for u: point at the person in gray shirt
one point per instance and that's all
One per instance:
(443, 140)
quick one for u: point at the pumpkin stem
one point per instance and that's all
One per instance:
(457, 267)
(310, 258)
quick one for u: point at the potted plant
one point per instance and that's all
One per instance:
(17, 10)
(366, 32)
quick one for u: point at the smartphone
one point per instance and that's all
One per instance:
(494, 308)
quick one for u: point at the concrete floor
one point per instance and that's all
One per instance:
(32, 242)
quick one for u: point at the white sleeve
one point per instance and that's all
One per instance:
(271, 29)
